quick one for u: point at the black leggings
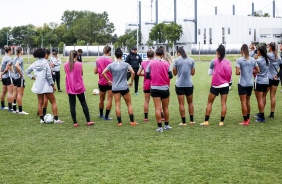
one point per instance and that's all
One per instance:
(56, 78)
(136, 80)
(72, 101)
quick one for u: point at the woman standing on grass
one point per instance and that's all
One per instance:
(7, 82)
(244, 68)
(119, 84)
(261, 82)
(56, 62)
(44, 84)
(18, 80)
(221, 77)
(75, 87)
(146, 83)
(104, 87)
(274, 64)
(184, 68)
(160, 74)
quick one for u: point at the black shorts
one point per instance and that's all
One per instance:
(273, 82)
(122, 92)
(163, 94)
(245, 90)
(103, 88)
(7, 81)
(187, 91)
(261, 87)
(19, 82)
(221, 91)
(147, 91)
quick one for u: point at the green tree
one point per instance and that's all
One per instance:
(3, 36)
(129, 39)
(173, 32)
(259, 13)
(158, 34)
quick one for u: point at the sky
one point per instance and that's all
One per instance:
(123, 12)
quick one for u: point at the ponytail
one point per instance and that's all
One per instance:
(73, 55)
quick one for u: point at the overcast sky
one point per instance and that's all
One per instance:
(121, 12)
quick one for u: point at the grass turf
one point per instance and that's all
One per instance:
(104, 153)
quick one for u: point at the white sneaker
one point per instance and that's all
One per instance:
(23, 113)
(58, 121)
(41, 121)
(16, 112)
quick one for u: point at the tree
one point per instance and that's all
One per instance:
(128, 40)
(3, 36)
(259, 13)
(157, 33)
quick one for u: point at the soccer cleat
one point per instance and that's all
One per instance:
(60, 91)
(205, 123)
(245, 123)
(101, 116)
(136, 93)
(4, 108)
(90, 123)
(108, 118)
(133, 123)
(271, 116)
(76, 125)
(58, 121)
(260, 120)
(23, 113)
(221, 123)
(119, 124)
(146, 119)
(11, 110)
(256, 115)
(192, 122)
(249, 121)
(42, 121)
(182, 124)
(160, 129)
(16, 112)
(167, 127)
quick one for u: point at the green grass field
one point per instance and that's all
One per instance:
(105, 153)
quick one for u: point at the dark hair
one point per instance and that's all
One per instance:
(118, 53)
(182, 52)
(221, 51)
(150, 53)
(39, 53)
(245, 51)
(79, 50)
(73, 54)
(107, 49)
(274, 49)
(160, 51)
(7, 49)
(18, 51)
(263, 52)
(47, 51)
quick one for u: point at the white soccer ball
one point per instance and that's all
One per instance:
(48, 118)
(95, 92)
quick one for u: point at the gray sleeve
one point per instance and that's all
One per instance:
(109, 67)
(193, 64)
(29, 70)
(175, 64)
(237, 63)
(129, 67)
(49, 74)
(212, 64)
(148, 69)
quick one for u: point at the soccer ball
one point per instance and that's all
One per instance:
(95, 92)
(48, 118)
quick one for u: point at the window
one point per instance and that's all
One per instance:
(229, 30)
(265, 35)
(142, 48)
(223, 35)
(205, 31)
(223, 32)
(199, 31)
(250, 31)
(277, 36)
(210, 36)
(255, 35)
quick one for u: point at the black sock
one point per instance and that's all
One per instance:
(44, 111)
(101, 112)
(245, 118)
(207, 118)
(131, 116)
(2, 103)
(191, 118)
(15, 100)
(222, 119)
(56, 117)
(41, 117)
(107, 113)
(160, 125)
(261, 115)
(162, 115)
(271, 113)
(119, 119)
(10, 105)
(146, 115)
(20, 108)
(14, 107)
(248, 116)
(183, 120)
(166, 123)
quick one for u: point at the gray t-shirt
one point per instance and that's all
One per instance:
(184, 67)
(246, 70)
(262, 77)
(119, 71)
(21, 64)
(252, 53)
(273, 66)
(6, 60)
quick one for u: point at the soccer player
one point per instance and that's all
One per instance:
(261, 82)
(274, 64)
(160, 74)
(104, 87)
(221, 77)
(75, 87)
(56, 61)
(18, 80)
(244, 68)
(79, 57)
(184, 68)
(146, 83)
(119, 85)
(44, 84)
(7, 82)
